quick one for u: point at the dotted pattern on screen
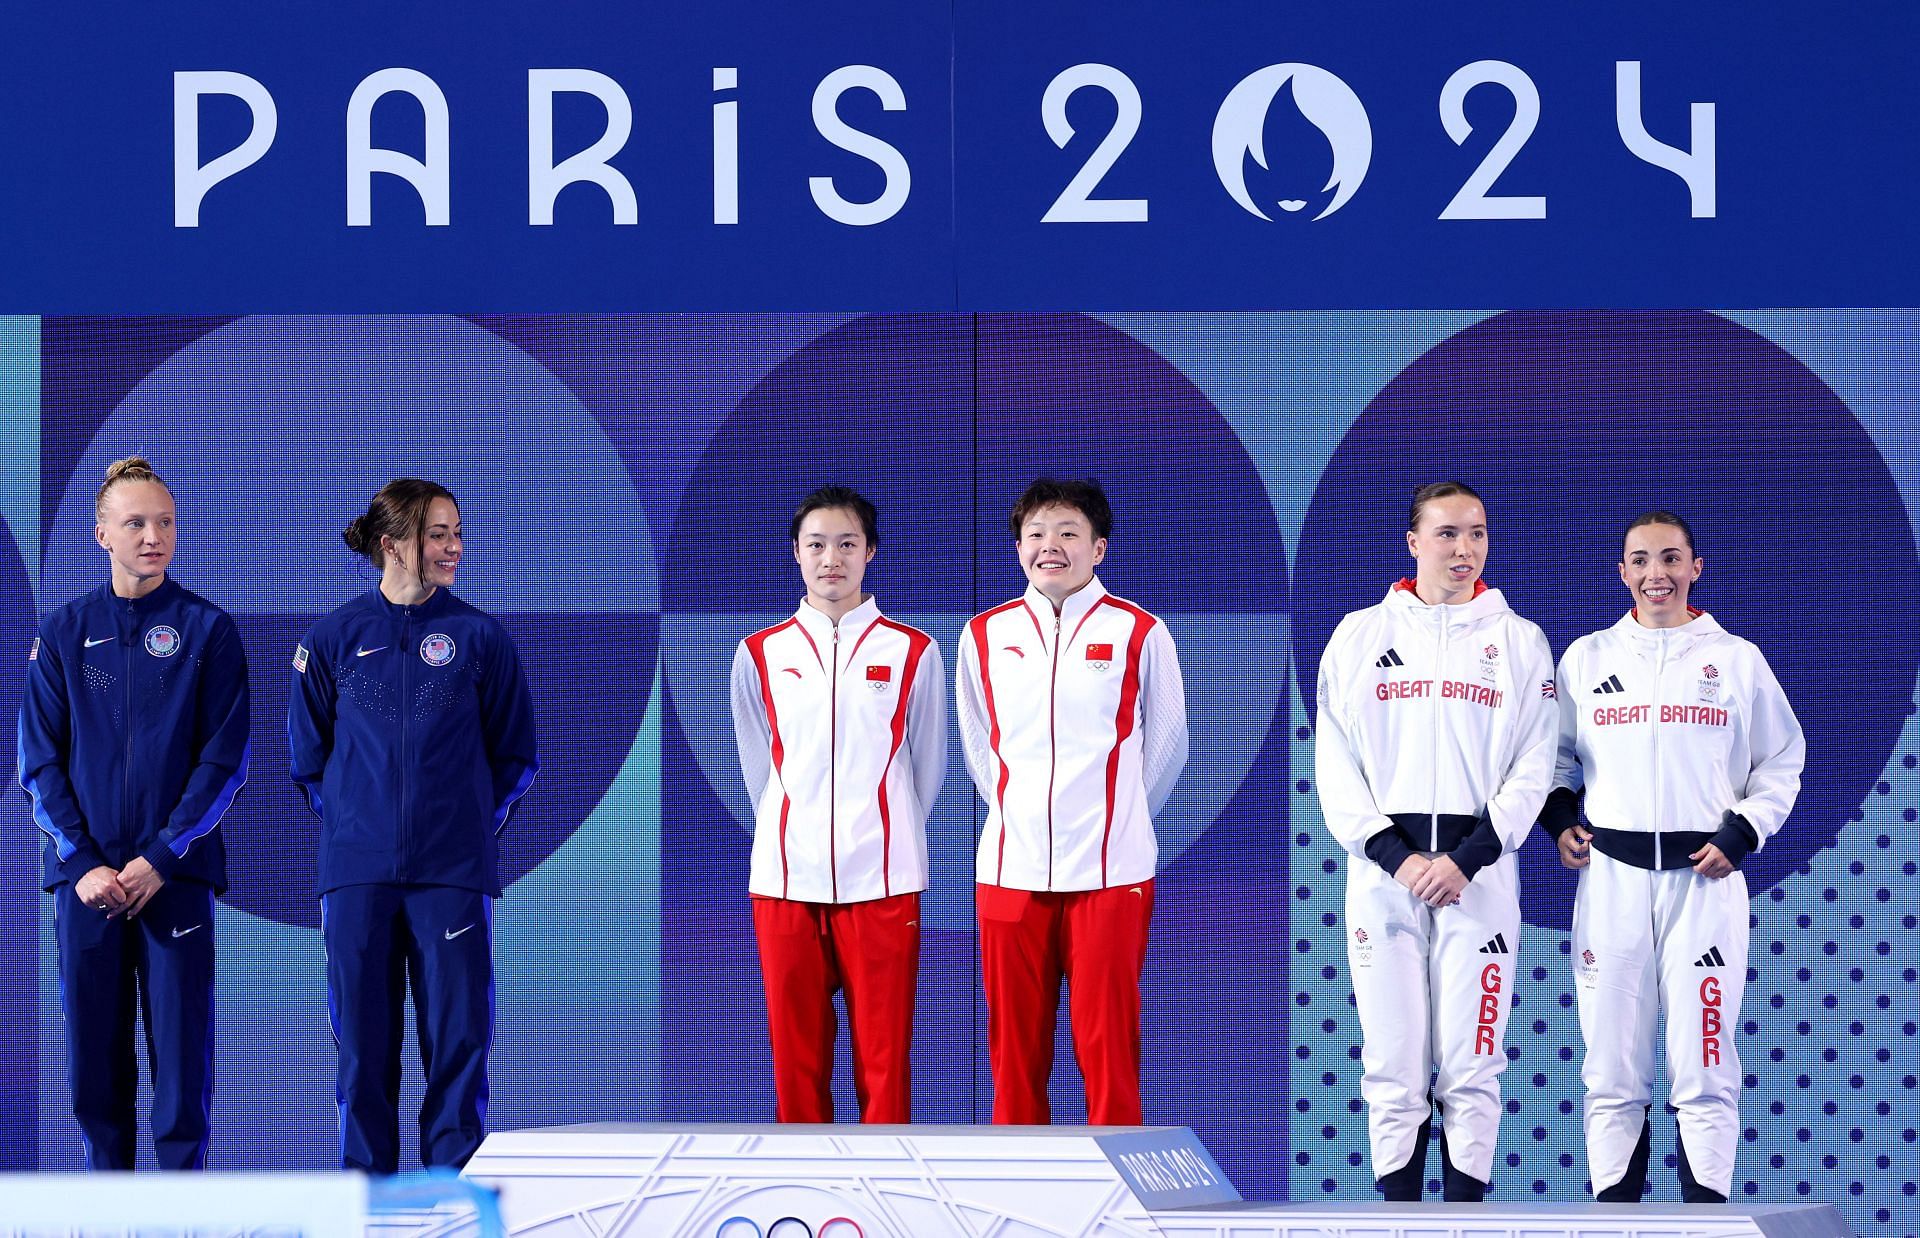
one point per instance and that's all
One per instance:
(1828, 1039)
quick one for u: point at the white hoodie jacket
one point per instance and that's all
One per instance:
(1436, 729)
(1075, 728)
(842, 731)
(1671, 729)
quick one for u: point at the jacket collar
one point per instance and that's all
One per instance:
(1484, 604)
(1072, 611)
(852, 623)
(1703, 625)
(437, 602)
(161, 595)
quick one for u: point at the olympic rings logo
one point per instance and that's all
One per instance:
(788, 1227)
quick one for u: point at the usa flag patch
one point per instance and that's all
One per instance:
(300, 658)
(33, 650)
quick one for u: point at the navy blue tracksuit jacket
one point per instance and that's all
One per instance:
(133, 734)
(133, 743)
(411, 729)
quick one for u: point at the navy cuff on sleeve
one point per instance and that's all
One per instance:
(163, 860)
(1388, 850)
(1560, 813)
(80, 863)
(1736, 838)
(1477, 850)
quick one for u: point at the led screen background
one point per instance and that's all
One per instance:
(626, 484)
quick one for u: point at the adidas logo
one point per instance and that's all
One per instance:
(1497, 946)
(1710, 959)
(1611, 684)
(1389, 658)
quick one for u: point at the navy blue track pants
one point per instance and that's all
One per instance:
(161, 964)
(379, 939)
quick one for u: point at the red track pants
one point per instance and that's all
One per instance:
(809, 950)
(1097, 940)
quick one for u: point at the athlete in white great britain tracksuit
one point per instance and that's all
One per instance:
(841, 719)
(1690, 756)
(1073, 719)
(1433, 755)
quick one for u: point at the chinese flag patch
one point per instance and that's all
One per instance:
(1099, 653)
(879, 674)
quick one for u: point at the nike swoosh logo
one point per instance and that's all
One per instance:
(361, 653)
(183, 932)
(453, 933)
(91, 643)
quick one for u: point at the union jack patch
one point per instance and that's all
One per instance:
(1548, 691)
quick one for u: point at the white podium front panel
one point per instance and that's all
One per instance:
(726, 1181)
(615, 1180)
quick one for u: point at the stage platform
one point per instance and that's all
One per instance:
(618, 1180)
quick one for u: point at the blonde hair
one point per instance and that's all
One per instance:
(130, 468)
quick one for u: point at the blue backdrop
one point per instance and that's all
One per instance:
(625, 484)
(705, 259)
(1106, 155)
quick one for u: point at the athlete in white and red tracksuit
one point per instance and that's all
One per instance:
(1690, 757)
(1074, 725)
(1433, 756)
(841, 720)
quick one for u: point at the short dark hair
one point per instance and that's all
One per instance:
(1082, 494)
(1437, 490)
(1659, 516)
(838, 496)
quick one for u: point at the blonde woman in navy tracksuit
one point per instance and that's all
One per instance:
(133, 744)
(412, 736)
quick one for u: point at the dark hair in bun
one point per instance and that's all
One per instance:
(399, 512)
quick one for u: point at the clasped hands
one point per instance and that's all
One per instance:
(1437, 882)
(122, 893)
(1576, 852)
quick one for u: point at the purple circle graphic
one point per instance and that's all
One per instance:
(1571, 424)
(540, 484)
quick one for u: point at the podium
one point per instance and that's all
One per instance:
(631, 1180)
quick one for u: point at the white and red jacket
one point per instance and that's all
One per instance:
(1074, 726)
(1436, 729)
(1670, 729)
(842, 730)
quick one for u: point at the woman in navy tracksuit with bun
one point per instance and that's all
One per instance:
(133, 744)
(411, 730)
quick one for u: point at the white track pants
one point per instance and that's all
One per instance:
(1643, 941)
(1433, 989)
